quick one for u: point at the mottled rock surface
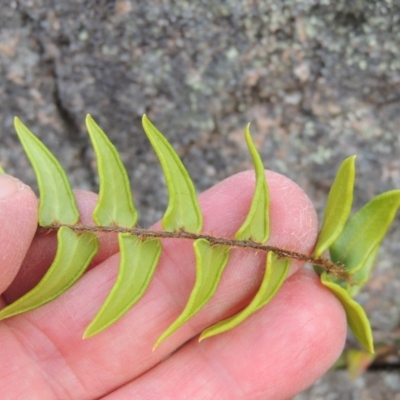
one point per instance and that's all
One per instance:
(319, 80)
(370, 386)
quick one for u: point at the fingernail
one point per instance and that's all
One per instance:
(8, 186)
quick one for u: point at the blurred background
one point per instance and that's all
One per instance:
(319, 80)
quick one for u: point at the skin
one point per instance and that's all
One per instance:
(275, 354)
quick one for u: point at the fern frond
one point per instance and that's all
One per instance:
(353, 245)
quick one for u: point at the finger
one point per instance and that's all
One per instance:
(277, 353)
(18, 216)
(43, 249)
(123, 351)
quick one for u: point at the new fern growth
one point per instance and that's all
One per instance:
(352, 244)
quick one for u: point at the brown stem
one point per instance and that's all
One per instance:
(324, 263)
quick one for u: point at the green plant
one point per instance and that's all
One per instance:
(353, 244)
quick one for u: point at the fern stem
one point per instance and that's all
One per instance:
(326, 264)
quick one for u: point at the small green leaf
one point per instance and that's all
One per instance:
(275, 275)
(356, 317)
(74, 253)
(183, 211)
(210, 264)
(341, 362)
(139, 258)
(364, 231)
(338, 206)
(361, 277)
(115, 204)
(2, 171)
(57, 201)
(256, 225)
(358, 362)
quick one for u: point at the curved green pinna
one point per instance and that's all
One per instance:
(57, 205)
(211, 260)
(183, 211)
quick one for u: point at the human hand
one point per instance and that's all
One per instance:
(275, 354)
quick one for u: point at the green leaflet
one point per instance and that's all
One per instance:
(210, 264)
(115, 204)
(256, 225)
(211, 260)
(74, 253)
(362, 275)
(139, 258)
(183, 211)
(275, 274)
(364, 231)
(358, 362)
(57, 202)
(338, 206)
(2, 170)
(356, 317)
(57, 205)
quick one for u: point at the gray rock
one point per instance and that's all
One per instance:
(371, 386)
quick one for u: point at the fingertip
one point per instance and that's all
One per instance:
(10, 186)
(18, 216)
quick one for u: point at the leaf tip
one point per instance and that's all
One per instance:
(18, 124)
(147, 123)
(145, 119)
(372, 349)
(161, 338)
(369, 343)
(204, 335)
(91, 330)
(247, 132)
(156, 344)
(90, 122)
(86, 335)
